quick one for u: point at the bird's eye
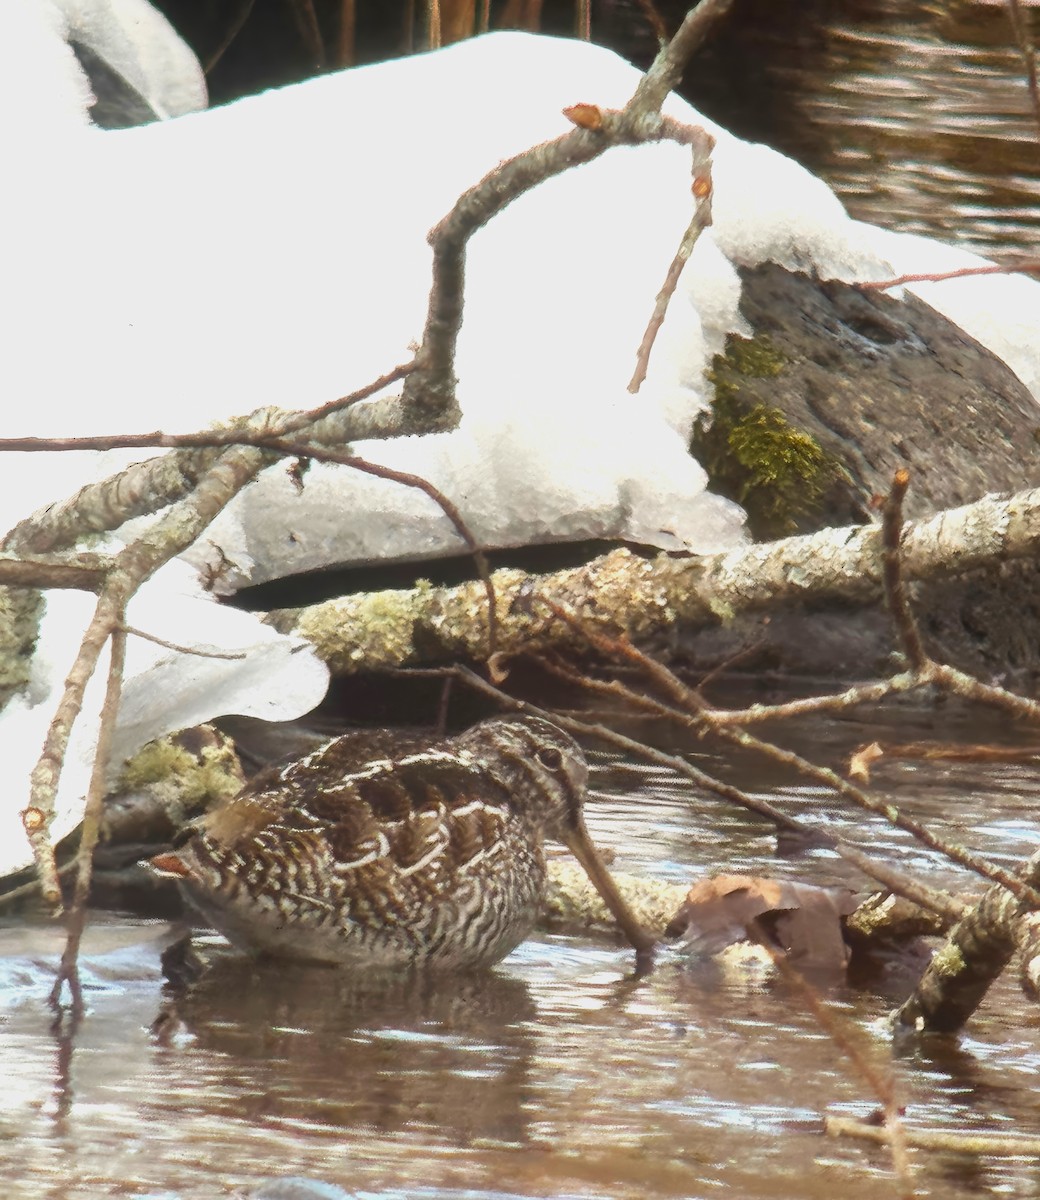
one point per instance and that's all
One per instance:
(550, 758)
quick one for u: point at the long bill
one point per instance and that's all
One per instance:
(576, 838)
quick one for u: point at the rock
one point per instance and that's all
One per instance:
(861, 384)
(297, 1188)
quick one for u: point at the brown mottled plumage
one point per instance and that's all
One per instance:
(378, 850)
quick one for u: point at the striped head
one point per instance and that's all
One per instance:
(538, 764)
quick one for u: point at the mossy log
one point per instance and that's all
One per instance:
(643, 596)
(975, 953)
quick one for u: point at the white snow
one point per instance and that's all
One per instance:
(273, 252)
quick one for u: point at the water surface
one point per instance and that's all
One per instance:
(558, 1074)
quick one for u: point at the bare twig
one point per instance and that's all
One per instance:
(310, 32)
(880, 1081)
(1025, 45)
(68, 972)
(447, 506)
(667, 68)
(430, 392)
(698, 223)
(254, 430)
(1009, 1145)
(1027, 266)
(29, 573)
(895, 591)
(197, 651)
(177, 530)
(944, 905)
(866, 693)
(687, 700)
(233, 30)
(345, 43)
(583, 19)
(147, 487)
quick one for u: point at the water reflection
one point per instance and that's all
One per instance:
(559, 1073)
(916, 114)
(449, 1055)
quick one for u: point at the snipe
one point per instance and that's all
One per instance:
(377, 851)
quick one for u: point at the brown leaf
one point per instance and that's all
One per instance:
(803, 920)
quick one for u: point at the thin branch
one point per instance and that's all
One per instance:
(196, 651)
(147, 487)
(29, 573)
(255, 430)
(840, 1031)
(447, 506)
(948, 907)
(1025, 45)
(142, 489)
(1008, 1145)
(433, 24)
(68, 972)
(46, 774)
(345, 49)
(310, 31)
(174, 532)
(687, 700)
(430, 392)
(667, 68)
(866, 693)
(700, 220)
(895, 591)
(1027, 266)
(583, 19)
(234, 29)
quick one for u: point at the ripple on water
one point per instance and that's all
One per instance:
(560, 1073)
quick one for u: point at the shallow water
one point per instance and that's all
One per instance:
(559, 1073)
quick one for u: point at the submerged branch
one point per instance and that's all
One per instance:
(975, 953)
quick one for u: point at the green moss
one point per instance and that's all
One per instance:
(757, 357)
(211, 774)
(20, 612)
(948, 961)
(752, 453)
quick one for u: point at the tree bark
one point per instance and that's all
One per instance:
(976, 951)
(641, 596)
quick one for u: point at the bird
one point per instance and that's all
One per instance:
(382, 849)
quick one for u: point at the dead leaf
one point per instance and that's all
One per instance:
(803, 920)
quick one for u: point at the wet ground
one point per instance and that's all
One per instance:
(557, 1074)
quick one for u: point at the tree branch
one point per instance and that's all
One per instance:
(641, 596)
